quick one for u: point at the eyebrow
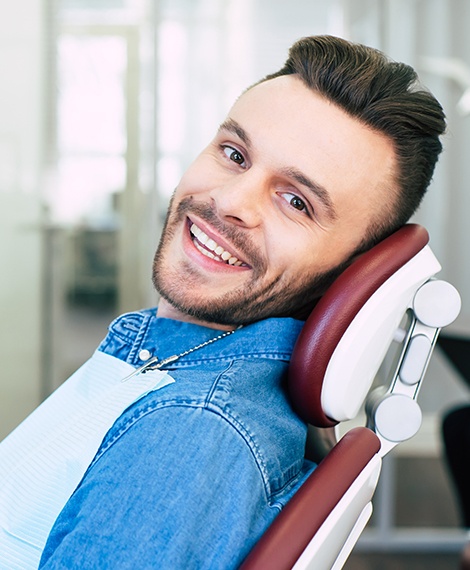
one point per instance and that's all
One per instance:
(232, 126)
(322, 194)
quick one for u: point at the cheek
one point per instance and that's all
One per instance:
(297, 255)
(288, 252)
(188, 185)
(200, 176)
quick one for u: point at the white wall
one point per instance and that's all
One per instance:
(21, 124)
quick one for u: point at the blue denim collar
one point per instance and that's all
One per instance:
(270, 338)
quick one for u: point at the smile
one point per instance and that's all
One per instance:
(208, 247)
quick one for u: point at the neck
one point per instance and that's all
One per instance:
(168, 311)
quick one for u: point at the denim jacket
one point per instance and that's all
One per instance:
(189, 476)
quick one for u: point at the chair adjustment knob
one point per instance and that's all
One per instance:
(437, 303)
(397, 417)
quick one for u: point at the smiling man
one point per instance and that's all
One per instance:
(280, 198)
(312, 166)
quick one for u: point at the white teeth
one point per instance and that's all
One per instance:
(195, 230)
(203, 238)
(210, 244)
(205, 251)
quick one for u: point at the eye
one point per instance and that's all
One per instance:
(234, 155)
(295, 202)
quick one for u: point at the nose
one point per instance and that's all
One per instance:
(242, 200)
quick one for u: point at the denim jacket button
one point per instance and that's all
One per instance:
(144, 354)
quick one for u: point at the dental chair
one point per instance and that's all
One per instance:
(387, 297)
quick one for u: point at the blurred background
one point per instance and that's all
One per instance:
(103, 103)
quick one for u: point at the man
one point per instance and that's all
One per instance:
(312, 166)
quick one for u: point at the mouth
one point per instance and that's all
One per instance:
(210, 248)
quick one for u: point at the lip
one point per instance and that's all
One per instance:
(202, 259)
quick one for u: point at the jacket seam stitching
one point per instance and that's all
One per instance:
(213, 409)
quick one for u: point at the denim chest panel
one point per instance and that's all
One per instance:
(239, 379)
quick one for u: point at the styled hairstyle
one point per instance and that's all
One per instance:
(386, 96)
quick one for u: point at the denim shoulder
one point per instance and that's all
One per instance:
(123, 333)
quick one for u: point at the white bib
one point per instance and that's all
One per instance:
(45, 457)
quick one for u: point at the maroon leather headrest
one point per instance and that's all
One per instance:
(336, 310)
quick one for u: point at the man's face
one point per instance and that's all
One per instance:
(282, 196)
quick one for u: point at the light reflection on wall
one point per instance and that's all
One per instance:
(91, 129)
(171, 110)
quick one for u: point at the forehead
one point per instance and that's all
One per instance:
(292, 126)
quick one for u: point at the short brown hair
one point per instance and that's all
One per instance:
(384, 95)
